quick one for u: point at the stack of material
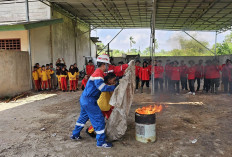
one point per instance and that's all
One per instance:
(121, 99)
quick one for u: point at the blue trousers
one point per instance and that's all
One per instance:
(90, 110)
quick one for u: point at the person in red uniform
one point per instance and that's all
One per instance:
(84, 82)
(111, 68)
(199, 73)
(191, 77)
(230, 77)
(120, 70)
(137, 69)
(167, 74)
(215, 76)
(144, 75)
(226, 75)
(35, 76)
(158, 75)
(183, 75)
(175, 77)
(63, 76)
(207, 75)
(90, 68)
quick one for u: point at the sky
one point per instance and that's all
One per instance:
(166, 39)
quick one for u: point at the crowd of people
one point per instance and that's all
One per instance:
(48, 78)
(102, 81)
(174, 76)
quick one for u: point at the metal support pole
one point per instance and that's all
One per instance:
(215, 51)
(108, 49)
(153, 48)
(199, 42)
(111, 40)
(29, 43)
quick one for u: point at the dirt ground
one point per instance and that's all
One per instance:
(40, 125)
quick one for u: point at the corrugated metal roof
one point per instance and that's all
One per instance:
(207, 15)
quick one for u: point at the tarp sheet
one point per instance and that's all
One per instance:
(121, 99)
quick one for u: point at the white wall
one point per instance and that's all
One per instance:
(93, 49)
(17, 11)
(41, 45)
(14, 72)
(65, 40)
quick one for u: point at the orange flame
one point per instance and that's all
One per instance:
(149, 109)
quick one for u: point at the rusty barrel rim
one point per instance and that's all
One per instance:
(145, 118)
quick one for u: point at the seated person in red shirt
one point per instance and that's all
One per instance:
(175, 77)
(84, 82)
(159, 70)
(90, 68)
(144, 75)
(191, 77)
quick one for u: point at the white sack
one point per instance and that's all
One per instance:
(121, 100)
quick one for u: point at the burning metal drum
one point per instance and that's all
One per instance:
(145, 123)
(145, 127)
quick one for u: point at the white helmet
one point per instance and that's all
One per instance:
(103, 58)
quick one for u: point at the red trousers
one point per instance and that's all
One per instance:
(107, 113)
(40, 83)
(63, 83)
(72, 84)
(44, 85)
(37, 85)
(49, 83)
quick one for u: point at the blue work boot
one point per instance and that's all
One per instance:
(105, 145)
(75, 138)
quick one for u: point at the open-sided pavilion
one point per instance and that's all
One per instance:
(183, 15)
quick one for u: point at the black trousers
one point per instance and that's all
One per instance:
(207, 84)
(214, 84)
(191, 85)
(159, 81)
(175, 86)
(204, 86)
(183, 81)
(198, 83)
(225, 82)
(166, 81)
(170, 84)
(145, 81)
(137, 82)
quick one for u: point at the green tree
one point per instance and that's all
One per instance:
(133, 52)
(193, 45)
(147, 51)
(132, 41)
(223, 48)
(228, 38)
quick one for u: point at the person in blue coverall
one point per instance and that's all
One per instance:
(89, 107)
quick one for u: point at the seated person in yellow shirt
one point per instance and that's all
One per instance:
(103, 101)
